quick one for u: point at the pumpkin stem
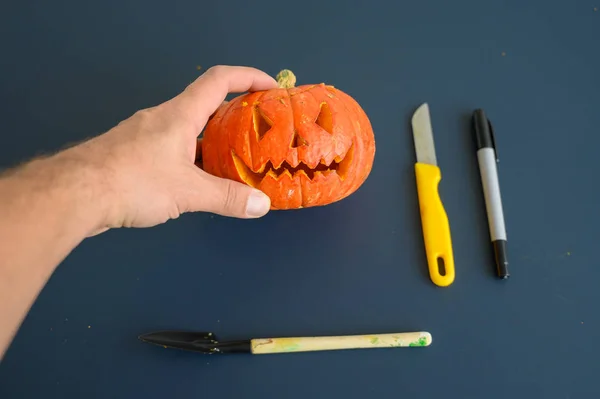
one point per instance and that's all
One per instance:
(286, 79)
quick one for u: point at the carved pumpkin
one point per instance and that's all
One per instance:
(302, 146)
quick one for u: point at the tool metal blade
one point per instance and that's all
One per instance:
(423, 135)
(204, 342)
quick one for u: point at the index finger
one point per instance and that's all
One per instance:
(202, 97)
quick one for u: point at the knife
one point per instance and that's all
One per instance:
(434, 221)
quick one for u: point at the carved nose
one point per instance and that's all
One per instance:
(324, 120)
(298, 141)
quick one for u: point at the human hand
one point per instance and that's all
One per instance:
(147, 161)
(138, 174)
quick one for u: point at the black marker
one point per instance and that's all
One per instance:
(487, 157)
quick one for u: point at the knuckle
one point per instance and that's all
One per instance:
(143, 115)
(216, 70)
(138, 115)
(230, 197)
(144, 112)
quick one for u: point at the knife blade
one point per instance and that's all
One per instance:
(434, 220)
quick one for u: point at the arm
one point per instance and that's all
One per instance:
(46, 209)
(49, 205)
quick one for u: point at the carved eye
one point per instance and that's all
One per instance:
(261, 124)
(325, 119)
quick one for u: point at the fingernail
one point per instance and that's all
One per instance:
(258, 204)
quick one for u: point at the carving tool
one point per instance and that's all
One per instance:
(436, 229)
(206, 342)
(487, 157)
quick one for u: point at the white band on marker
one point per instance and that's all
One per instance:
(491, 189)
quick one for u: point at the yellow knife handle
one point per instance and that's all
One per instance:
(436, 229)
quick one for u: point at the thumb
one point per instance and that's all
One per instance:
(228, 198)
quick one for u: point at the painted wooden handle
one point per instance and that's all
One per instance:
(310, 344)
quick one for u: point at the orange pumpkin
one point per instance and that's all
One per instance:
(303, 146)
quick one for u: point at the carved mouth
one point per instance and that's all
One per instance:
(339, 166)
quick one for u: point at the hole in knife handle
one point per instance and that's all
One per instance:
(441, 266)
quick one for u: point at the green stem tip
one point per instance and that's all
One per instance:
(286, 79)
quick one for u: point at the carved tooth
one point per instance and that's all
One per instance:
(293, 164)
(330, 172)
(300, 172)
(310, 165)
(262, 168)
(271, 173)
(286, 172)
(277, 166)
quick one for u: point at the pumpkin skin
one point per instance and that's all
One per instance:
(303, 146)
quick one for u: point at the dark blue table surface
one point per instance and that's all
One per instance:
(70, 70)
